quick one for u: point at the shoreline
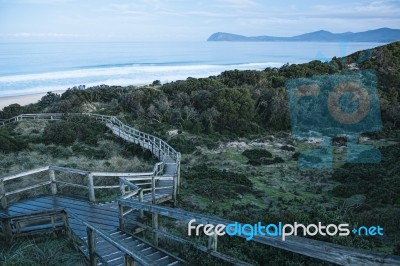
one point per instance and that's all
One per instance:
(24, 99)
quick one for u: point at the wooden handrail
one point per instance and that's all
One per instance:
(143, 260)
(155, 175)
(167, 149)
(30, 172)
(325, 251)
(159, 147)
(13, 225)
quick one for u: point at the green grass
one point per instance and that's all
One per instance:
(40, 251)
(282, 191)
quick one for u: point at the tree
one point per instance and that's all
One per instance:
(209, 118)
(156, 83)
(11, 111)
(49, 99)
(236, 108)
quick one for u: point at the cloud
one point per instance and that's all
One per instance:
(375, 9)
(38, 2)
(209, 14)
(46, 35)
(236, 3)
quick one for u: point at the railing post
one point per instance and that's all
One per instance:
(141, 214)
(175, 189)
(66, 224)
(4, 201)
(212, 242)
(92, 196)
(7, 229)
(53, 182)
(154, 219)
(121, 187)
(92, 246)
(121, 217)
(178, 172)
(153, 188)
(128, 261)
(159, 151)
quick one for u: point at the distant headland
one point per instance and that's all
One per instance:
(383, 35)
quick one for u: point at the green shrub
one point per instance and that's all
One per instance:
(89, 152)
(204, 172)
(265, 161)
(296, 156)
(255, 154)
(9, 143)
(57, 151)
(311, 159)
(66, 132)
(187, 144)
(40, 251)
(287, 148)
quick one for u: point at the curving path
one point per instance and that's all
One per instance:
(105, 217)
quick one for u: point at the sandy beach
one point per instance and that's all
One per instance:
(23, 99)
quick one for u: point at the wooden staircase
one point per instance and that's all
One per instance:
(115, 257)
(104, 217)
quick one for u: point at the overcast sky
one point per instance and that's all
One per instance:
(185, 20)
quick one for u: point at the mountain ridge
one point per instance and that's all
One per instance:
(383, 35)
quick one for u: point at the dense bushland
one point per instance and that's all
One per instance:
(234, 103)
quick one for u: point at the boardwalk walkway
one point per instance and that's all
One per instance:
(105, 232)
(105, 217)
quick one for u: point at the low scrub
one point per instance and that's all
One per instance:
(205, 172)
(256, 154)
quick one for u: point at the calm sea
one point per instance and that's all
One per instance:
(40, 67)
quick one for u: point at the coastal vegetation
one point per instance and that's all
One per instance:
(239, 161)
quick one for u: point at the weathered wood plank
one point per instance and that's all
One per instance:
(53, 182)
(90, 185)
(106, 187)
(100, 214)
(4, 201)
(312, 248)
(69, 170)
(129, 184)
(28, 188)
(91, 216)
(214, 253)
(122, 174)
(26, 173)
(71, 184)
(139, 258)
(92, 246)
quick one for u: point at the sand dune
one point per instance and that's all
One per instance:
(23, 99)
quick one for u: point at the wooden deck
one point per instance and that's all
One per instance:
(104, 217)
(113, 246)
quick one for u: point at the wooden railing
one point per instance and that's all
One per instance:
(33, 223)
(130, 257)
(147, 141)
(151, 141)
(87, 184)
(312, 248)
(159, 148)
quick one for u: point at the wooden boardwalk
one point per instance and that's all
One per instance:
(102, 216)
(105, 231)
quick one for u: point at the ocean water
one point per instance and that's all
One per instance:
(40, 67)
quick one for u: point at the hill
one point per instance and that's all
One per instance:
(378, 35)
